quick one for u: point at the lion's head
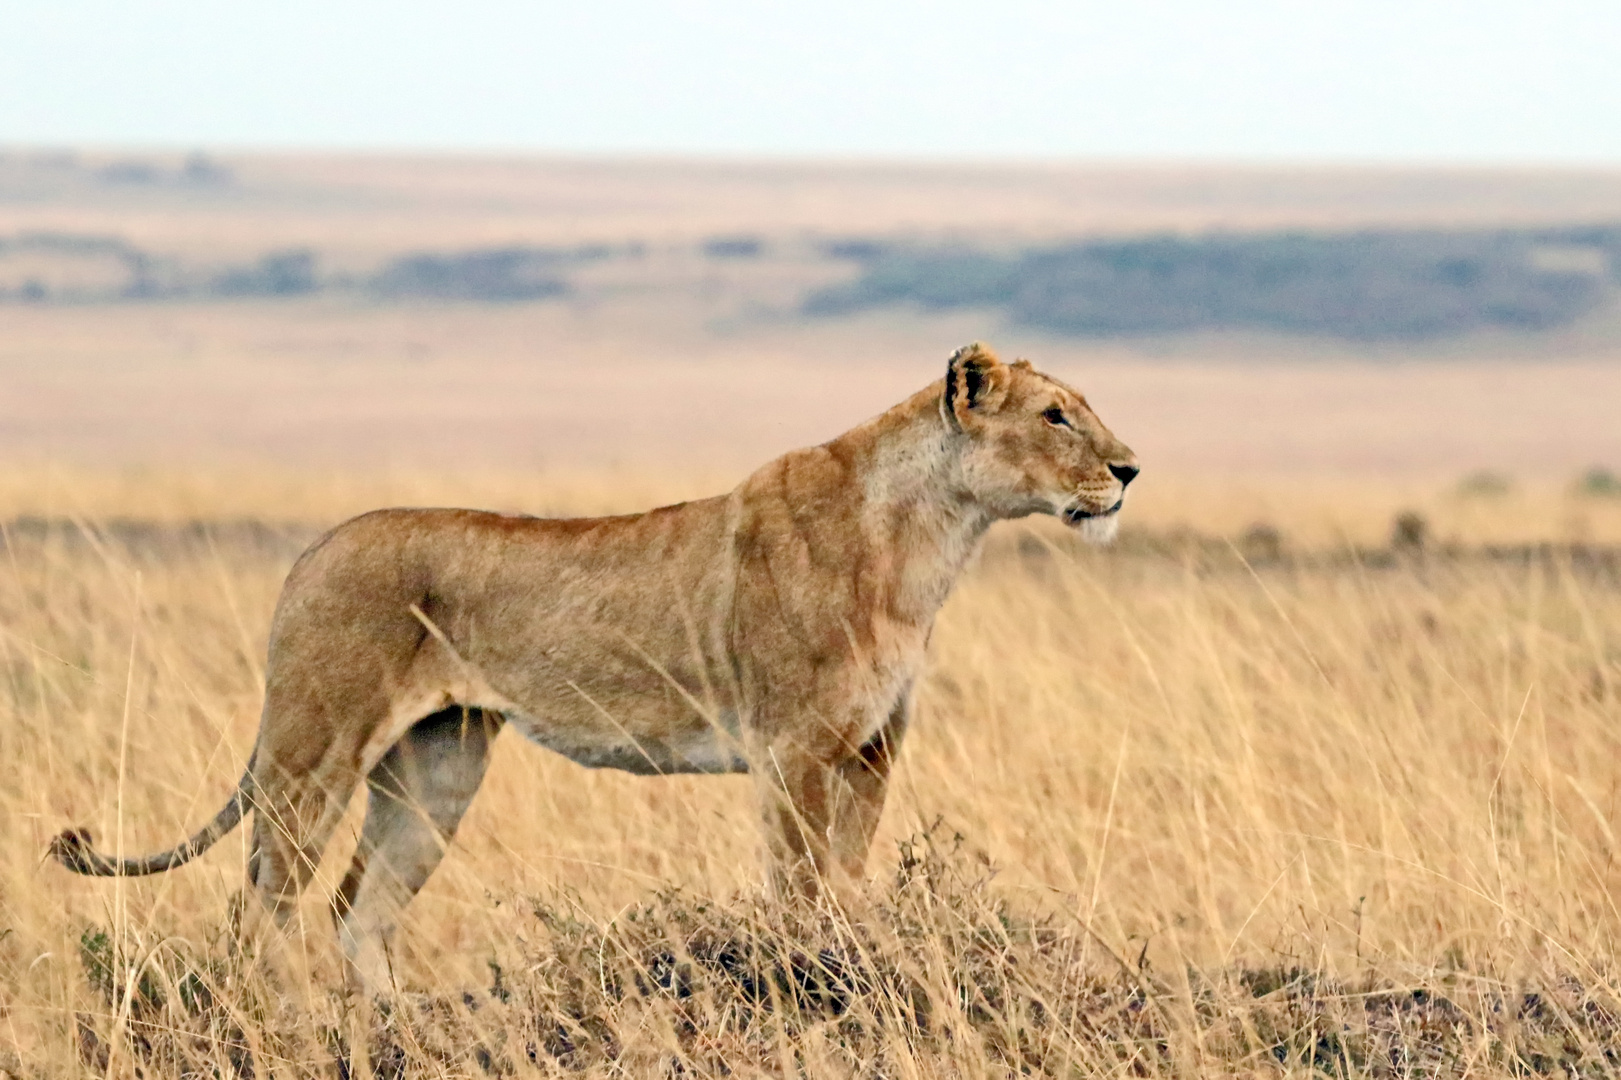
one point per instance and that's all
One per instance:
(1031, 445)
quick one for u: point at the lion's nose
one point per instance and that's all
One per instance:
(1124, 473)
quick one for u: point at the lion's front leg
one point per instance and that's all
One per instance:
(862, 783)
(822, 803)
(796, 791)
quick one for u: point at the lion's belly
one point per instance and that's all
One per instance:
(695, 749)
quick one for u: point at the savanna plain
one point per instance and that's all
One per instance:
(1187, 806)
(1316, 771)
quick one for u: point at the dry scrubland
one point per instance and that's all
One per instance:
(1162, 812)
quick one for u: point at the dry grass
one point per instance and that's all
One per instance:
(1337, 813)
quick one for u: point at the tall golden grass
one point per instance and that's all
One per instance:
(1164, 810)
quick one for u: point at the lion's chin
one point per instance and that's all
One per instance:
(1099, 530)
(1095, 528)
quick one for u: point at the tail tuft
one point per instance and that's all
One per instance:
(74, 849)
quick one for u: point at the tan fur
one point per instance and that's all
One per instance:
(775, 630)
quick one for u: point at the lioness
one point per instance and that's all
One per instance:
(776, 630)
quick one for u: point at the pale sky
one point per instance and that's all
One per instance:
(1488, 81)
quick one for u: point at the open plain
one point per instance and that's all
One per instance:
(1275, 786)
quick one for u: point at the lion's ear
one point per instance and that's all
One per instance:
(976, 384)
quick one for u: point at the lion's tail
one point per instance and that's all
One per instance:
(74, 849)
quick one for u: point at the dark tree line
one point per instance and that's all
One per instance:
(1362, 285)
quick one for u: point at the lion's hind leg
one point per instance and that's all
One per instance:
(296, 810)
(417, 796)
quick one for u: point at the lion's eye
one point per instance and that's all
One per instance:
(1055, 416)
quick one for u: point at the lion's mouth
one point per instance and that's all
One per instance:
(1075, 514)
